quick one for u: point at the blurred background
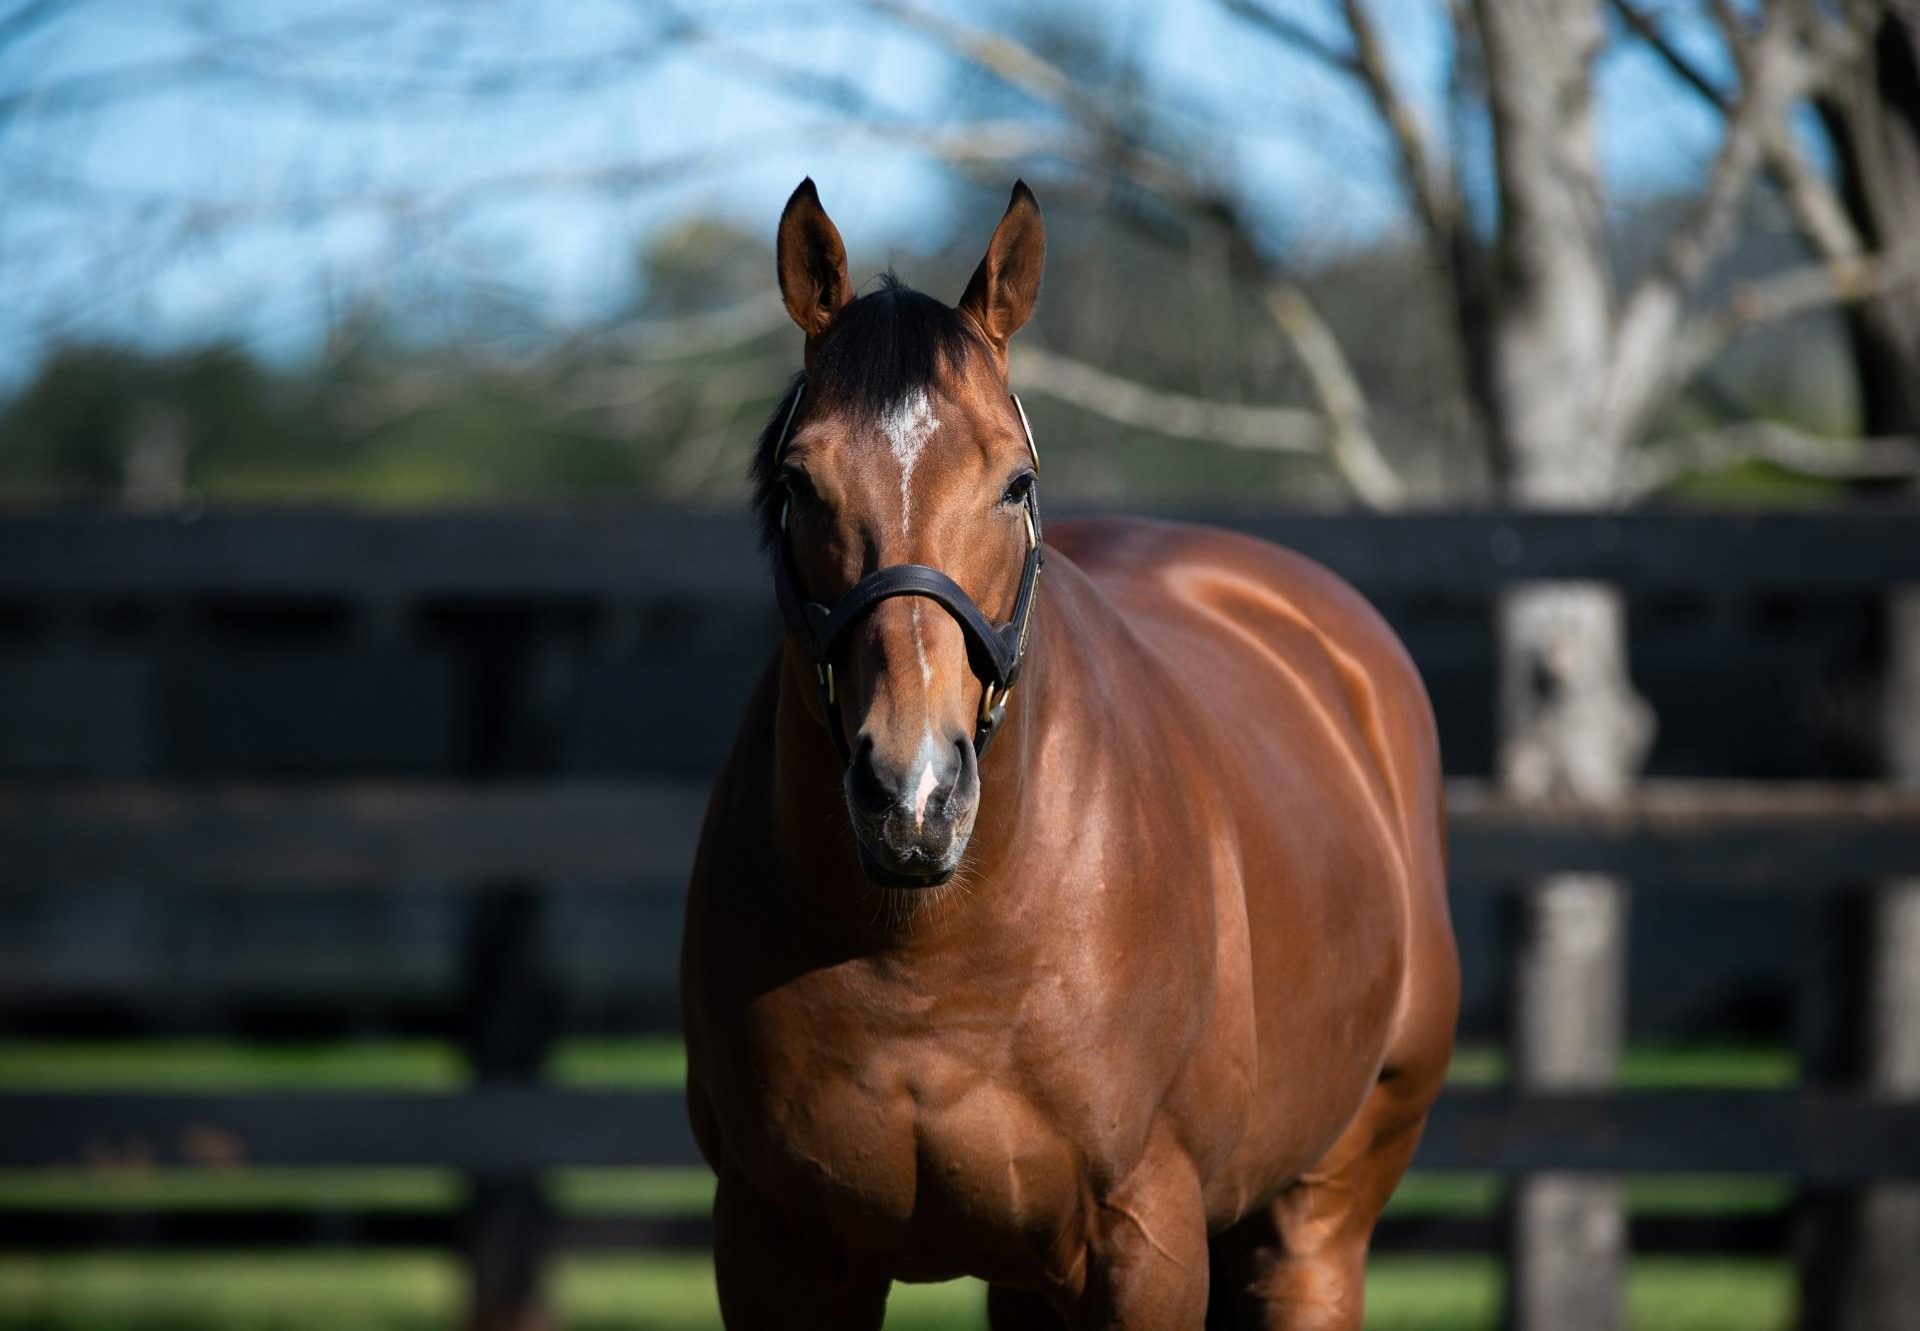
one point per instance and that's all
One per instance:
(377, 385)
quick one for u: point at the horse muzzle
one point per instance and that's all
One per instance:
(912, 819)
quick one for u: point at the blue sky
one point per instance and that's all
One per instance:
(330, 103)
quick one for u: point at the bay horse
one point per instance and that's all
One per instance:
(1086, 934)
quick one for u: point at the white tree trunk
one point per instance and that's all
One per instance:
(1571, 726)
(1552, 307)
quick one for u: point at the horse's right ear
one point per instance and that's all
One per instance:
(811, 261)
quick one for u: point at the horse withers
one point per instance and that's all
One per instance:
(1084, 930)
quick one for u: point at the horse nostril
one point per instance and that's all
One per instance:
(864, 783)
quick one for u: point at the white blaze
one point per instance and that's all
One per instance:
(908, 424)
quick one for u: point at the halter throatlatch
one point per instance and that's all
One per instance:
(993, 654)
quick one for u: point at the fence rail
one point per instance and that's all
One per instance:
(665, 553)
(1817, 1136)
(123, 615)
(1720, 836)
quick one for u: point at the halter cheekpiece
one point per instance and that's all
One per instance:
(993, 654)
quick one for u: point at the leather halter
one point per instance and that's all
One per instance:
(993, 654)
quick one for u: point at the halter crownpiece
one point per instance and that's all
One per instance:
(993, 654)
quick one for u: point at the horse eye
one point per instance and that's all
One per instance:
(1017, 488)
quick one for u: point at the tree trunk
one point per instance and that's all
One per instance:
(1865, 1261)
(1874, 124)
(1551, 303)
(1571, 725)
(1570, 721)
(1865, 1269)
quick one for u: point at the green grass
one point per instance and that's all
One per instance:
(643, 1063)
(408, 1291)
(415, 1292)
(229, 1065)
(363, 1065)
(1646, 1067)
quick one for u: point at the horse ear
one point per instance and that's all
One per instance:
(1005, 286)
(811, 261)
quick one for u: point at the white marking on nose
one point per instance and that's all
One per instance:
(922, 792)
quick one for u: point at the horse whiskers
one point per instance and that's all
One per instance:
(906, 908)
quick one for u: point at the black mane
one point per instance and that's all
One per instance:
(876, 350)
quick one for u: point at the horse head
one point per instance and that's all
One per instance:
(896, 484)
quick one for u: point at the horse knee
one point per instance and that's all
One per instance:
(1319, 1291)
(1147, 1265)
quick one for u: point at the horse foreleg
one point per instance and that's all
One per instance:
(1300, 1263)
(1146, 1267)
(768, 1277)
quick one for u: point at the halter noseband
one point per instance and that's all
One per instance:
(993, 654)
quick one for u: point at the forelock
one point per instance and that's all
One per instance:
(879, 352)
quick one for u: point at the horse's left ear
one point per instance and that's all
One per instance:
(1005, 286)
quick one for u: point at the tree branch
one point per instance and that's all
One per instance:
(1350, 443)
(1429, 181)
(22, 21)
(1430, 186)
(1796, 291)
(1817, 209)
(1659, 466)
(1778, 70)
(1204, 420)
(1021, 67)
(1128, 402)
(1647, 28)
(1294, 33)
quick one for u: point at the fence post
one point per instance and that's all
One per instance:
(1891, 1220)
(1860, 1249)
(1570, 725)
(509, 1029)
(522, 684)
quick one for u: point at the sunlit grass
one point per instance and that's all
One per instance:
(643, 1063)
(651, 1062)
(416, 1291)
(1647, 1067)
(229, 1065)
(81, 1188)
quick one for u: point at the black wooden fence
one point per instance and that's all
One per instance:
(524, 708)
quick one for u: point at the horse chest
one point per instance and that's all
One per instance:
(906, 1144)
